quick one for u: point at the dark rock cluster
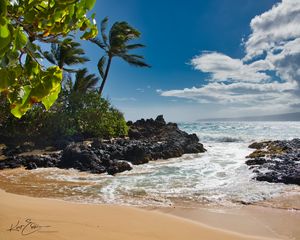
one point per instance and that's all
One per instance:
(276, 161)
(31, 161)
(148, 140)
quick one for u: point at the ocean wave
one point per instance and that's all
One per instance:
(221, 139)
(230, 139)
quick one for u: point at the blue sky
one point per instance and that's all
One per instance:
(188, 43)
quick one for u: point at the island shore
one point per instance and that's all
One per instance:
(247, 220)
(54, 219)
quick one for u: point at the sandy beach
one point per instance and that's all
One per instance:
(38, 218)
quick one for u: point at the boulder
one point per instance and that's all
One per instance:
(118, 166)
(81, 157)
(148, 140)
(276, 161)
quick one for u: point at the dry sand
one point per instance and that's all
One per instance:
(74, 221)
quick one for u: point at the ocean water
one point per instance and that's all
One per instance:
(217, 177)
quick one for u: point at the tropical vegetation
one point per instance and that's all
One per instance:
(24, 26)
(58, 98)
(117, 44)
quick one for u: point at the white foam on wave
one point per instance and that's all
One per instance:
(243, 131)
(218, 176)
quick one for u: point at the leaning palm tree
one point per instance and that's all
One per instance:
(116, 44)
(67, 53)
(84, 82)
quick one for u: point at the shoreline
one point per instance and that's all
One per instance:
(247, 220)
(72, 220)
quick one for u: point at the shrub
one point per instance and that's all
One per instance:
(73, 116)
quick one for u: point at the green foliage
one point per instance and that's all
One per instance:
(117, 43)
(67, 52)
(84, 81)
(73, 115)
(23, 25)
(92, 116)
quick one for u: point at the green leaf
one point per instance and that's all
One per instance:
(29, 16)
(5, 36)
(90, 4)
(49, 81)
(3, 7)
(50, 99)
(4, 79)
(44, 21)
(22, 103)
(7, 79)
(100, 66)
(20, 38)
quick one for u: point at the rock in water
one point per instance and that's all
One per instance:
(276, 161)
(81, 157)
(148, 140)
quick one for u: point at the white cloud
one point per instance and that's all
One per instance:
(223, 68)
(273, 28)
(273, 45)
(287, 62)
(246, 94)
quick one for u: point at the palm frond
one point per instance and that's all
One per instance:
(84, 82)
(117, 44)
(103, 30)
(50, 57)
(98, 42)
(100, 66)
(134, 46)
(67, 52)
(135, 60)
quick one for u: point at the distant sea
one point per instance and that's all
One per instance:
(217, 177)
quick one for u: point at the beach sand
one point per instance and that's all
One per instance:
(41, 218)
(247, 220)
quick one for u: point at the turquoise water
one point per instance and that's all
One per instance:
(242, 131)
(217, 177)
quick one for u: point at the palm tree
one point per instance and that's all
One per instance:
(116, 44)
(75, 90)
(64, 53)
(84, 82)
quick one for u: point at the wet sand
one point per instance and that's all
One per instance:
(38, 219)
(258, 220)
(278, 218)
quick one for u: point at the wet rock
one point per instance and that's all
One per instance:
(13, 150)
(81, 157)
(258, 145)
(30, 161)
(31, 166)
(136, 154)
(148, 140)
(118, 166)
(276, 161)
(256, 161)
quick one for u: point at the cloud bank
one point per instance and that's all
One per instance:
(268, 76)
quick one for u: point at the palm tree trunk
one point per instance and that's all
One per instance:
(105, 75)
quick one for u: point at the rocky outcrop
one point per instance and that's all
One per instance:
(148, 140)
(276, 161)
(31, 161)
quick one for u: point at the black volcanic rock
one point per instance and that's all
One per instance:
(148, 140)
(31, 161)
(276, 161)
(118, 166)
(81, 157)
